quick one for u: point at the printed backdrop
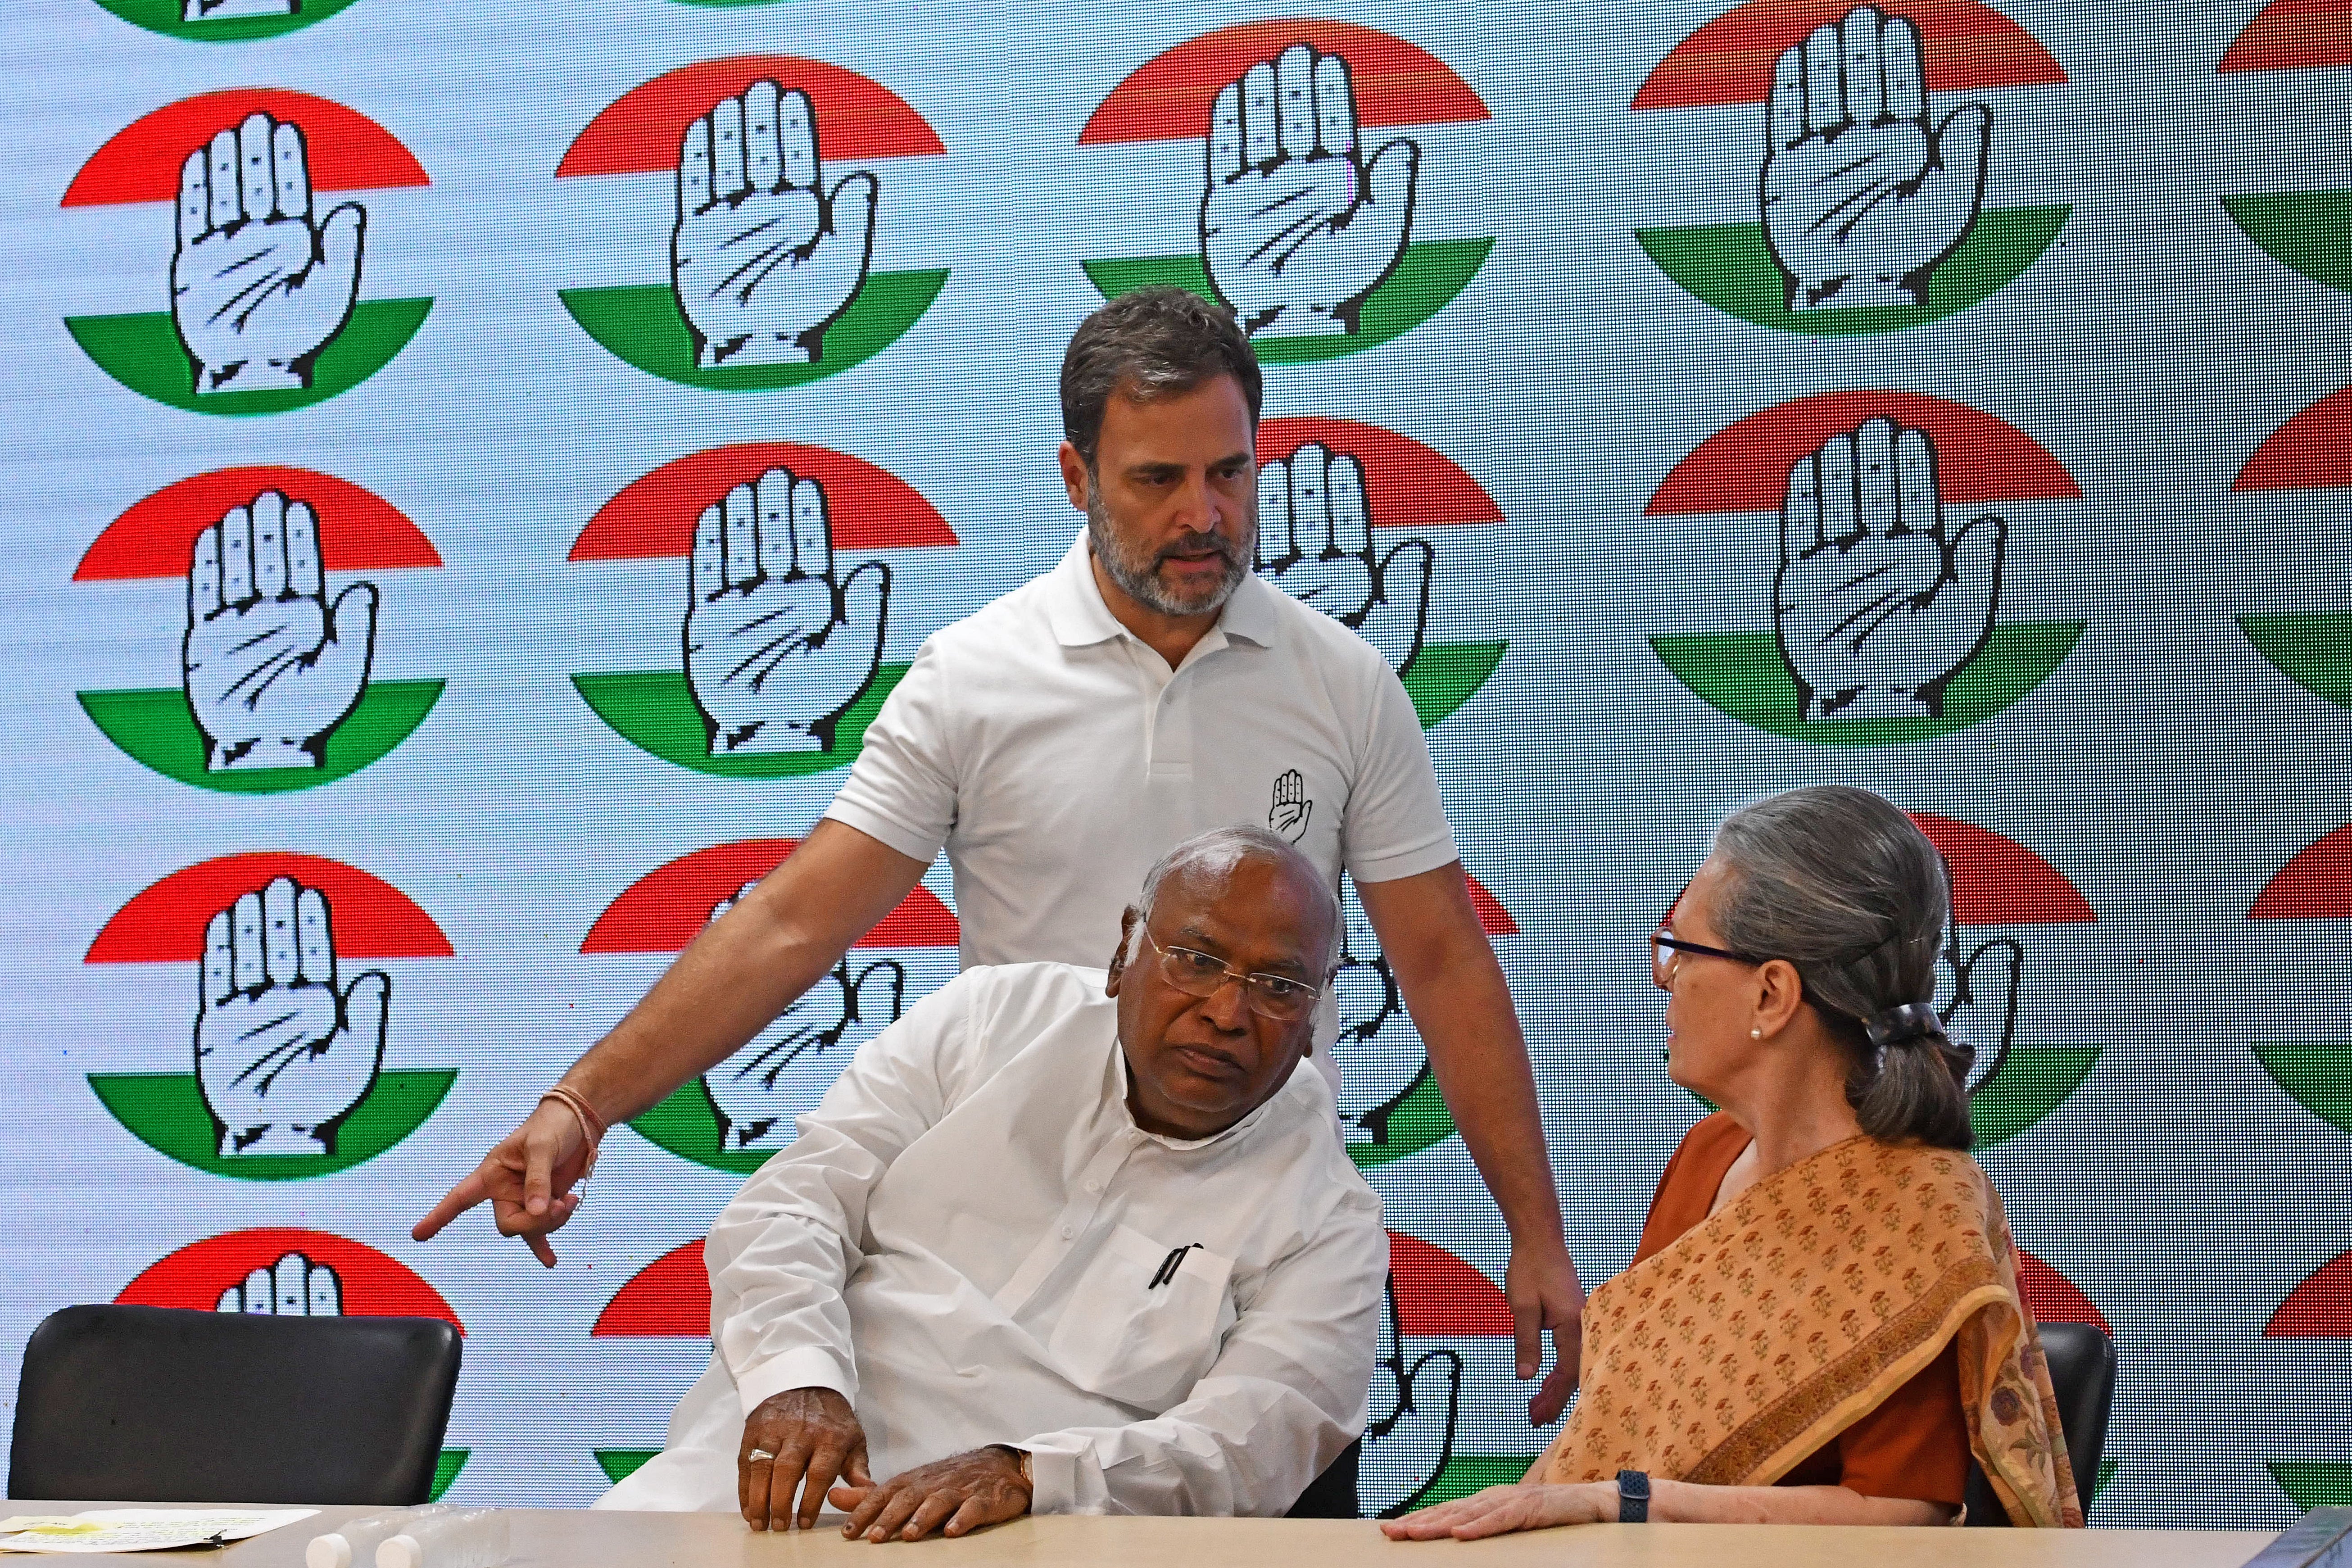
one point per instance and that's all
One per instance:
(414, 412)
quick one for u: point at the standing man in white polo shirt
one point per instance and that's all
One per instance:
(1147, 688)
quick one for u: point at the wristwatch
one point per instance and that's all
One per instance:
(1020, 1457)
(1633, 1497)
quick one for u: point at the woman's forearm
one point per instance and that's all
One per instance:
(1681, 1503)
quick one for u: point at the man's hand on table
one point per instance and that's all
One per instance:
(802, 1432)
(962, 1492)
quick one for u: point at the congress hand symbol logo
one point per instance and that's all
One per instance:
(1877, 605)
(282, 1054)
(763, 258)
(293, 1287)
(1409, 1436)
(1296, 228)
(258, 290)
(1315, 543)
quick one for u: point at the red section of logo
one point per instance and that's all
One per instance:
(857, 119)
(1438, 1293)
(2052, 1298)
(666, 907)
(1406, 484)
(2312, 451)
(1493, 918)
(165, 924)
(374, 1286)
(141, 162)
(2317, 885)
(1169, 96)
(1962, 45)
(2319, 1309)
(1998, 881)
(358, 530)
(2291, 34)
(670, 1296)
(871, 508)
(1744, 467)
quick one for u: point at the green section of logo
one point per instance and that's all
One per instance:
(2312, 651)
(687, 1124)
(640, 322)
(2304, 229)
(1742, 673)
(2314, 1483)
(620, 1463)
(2317, 1077)
(165, 16)
(166, 1111)
(1426, 279)
(655, 711)
(2099, 1482)
(1420, 1120)
(1467, 1473)
(143, 353)
(445, 1468)
(1729, 266)
(1445, 675)
(2034, 1081)
(156, 729)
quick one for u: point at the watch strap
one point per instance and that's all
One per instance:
(1633, 1497)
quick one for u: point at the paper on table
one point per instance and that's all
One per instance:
(140, 1529)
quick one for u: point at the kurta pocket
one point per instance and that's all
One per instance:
(1145, 1321)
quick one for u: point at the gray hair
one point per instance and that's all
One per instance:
(1843, 885)
(1160, 341)
(1217, 852)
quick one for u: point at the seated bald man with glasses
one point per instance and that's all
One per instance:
(1058, 1241)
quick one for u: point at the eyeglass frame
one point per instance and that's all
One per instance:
(1250, 994)
(1663, 977)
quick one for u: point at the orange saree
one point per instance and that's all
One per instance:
(1761, 1335)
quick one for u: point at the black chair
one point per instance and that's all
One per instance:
(1332, 1494)
(160, 1404)
(2083, 1375)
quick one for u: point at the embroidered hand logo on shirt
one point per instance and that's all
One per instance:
(1291, 808)
(785, 1071)
(1379, 1053)
(1414, 1406)
(1315, 543)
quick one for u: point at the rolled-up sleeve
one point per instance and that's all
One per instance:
(780, 1255)
(1286, 1394)
(902, 789)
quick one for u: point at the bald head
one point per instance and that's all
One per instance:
(1208, 862)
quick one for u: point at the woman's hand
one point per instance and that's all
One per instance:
(1498, 1510)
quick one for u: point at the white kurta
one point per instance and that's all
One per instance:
(1054, 757)
(963, 1240)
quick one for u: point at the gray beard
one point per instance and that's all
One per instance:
(1140, 579)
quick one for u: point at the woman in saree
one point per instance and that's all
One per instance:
(1822, 1324)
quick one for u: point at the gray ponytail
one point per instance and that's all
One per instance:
(1845, 886)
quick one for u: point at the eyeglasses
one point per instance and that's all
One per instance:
(1663, 941)
(1195, 973)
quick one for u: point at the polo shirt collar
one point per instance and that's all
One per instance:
(1080, 618)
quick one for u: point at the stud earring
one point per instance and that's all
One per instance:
(1755, 1034)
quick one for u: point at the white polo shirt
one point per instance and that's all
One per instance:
(1055, 756)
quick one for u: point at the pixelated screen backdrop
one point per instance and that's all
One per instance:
(372, 360)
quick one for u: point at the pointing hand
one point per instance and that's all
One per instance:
(271, 667)
(293, 1287)
(257, 291)
(1862, 198)
(281, 1054)
(776, 651)
(1315, 543)
(762, 259)
(761, 1088)
(1976, 1000)
(1411, 1433)
(1876, 606)
(1379, 1053)
(1295, 228)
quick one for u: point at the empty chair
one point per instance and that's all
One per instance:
(2083, 1375)
(158, 1404)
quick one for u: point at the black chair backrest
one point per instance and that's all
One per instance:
(159, 1404)
(1332, 1494)
(2083, 1375)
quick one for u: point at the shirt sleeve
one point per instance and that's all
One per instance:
(1396, 822)
(902, 788)
(780, 1253)
(1287, 1393)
